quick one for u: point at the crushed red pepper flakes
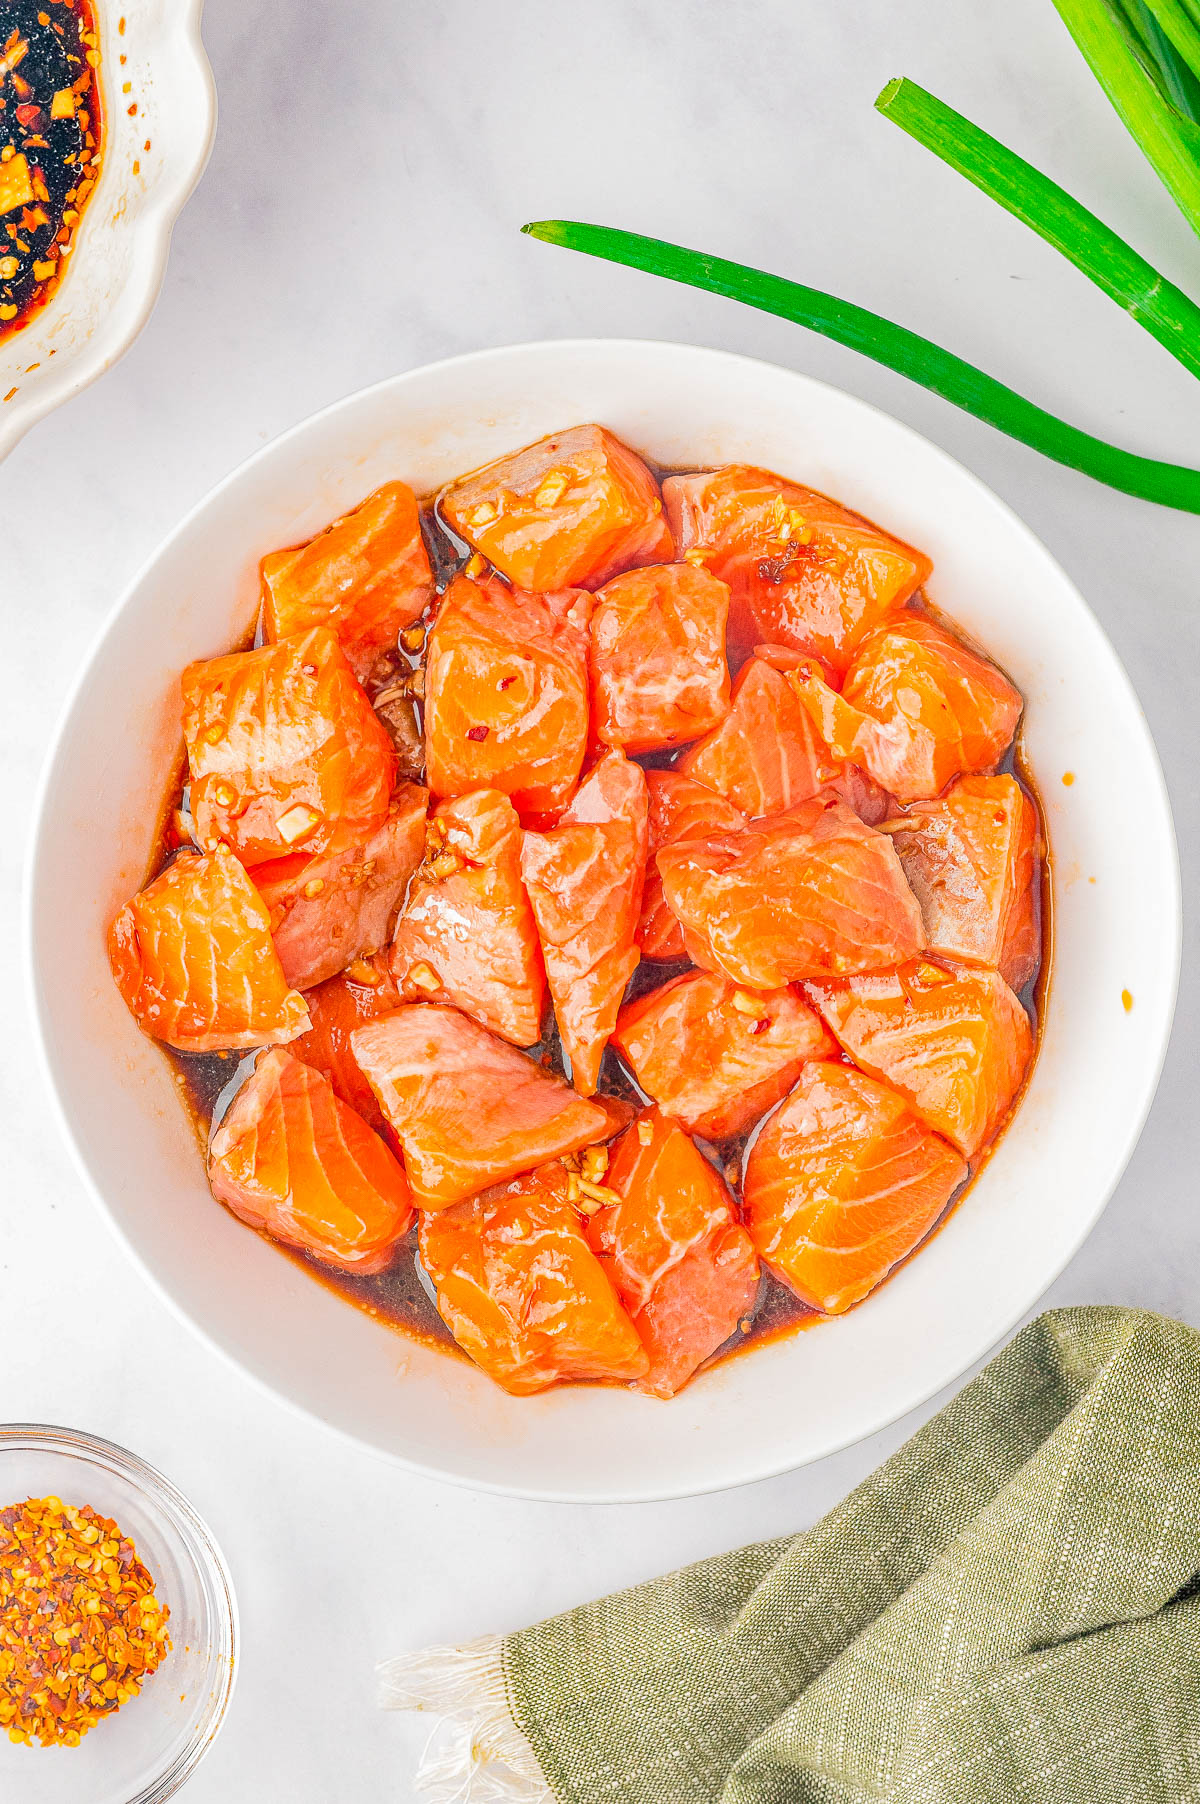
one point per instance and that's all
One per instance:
(80, 1626)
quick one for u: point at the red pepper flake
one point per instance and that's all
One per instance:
(505, 681)
(28, 113)
(80, 1625)
(477, 733)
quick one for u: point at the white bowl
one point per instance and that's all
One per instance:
(120, 251)
(1116, 916)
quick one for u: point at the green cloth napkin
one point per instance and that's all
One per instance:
(1006, 1612)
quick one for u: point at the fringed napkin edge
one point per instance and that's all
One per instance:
(476, 1753)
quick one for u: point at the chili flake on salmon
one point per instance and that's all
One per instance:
(506, 694)
(634, 891)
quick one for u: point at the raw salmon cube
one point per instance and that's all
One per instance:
(767, 755)
(717, 1057)
(336, 1008)
(285, 751)
(585, 878)
(467, 934)
(468, 1109)
(972, 861)
(506, 694)
(804, 571)
(916, 709)
(193, 958)
(522, 1292)
(329, 910)
(366, 577)
(842, 1183)
(800, 894)
(678, 809)
(679, 1258)
(572, 510)
(954, 1041)
(659, 676)
(291, 1158)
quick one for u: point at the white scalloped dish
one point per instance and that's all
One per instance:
(157, 136)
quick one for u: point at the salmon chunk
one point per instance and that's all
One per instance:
(285, 751)
(522, 1292)
(679, 1258)
(659, 676)
(193, 958)
(716, 1057)
(468, 1109)
(336, 1008)
(971, 859)
(803, 571)
(954, 1041)
(366, 577)
(467, 935)
(842, 1183)
(678, 809)
(329, 910)
(506, 694)
(800, 894)
(917, 708)
(585, 878)
(572, 510)
(290, 1157)
(767, 755)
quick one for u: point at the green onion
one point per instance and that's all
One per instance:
(894, 346)
(1155, 303)
(1166, 136)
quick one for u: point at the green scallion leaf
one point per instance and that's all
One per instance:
(922, 362)
(1165, 311)
(1166, 137)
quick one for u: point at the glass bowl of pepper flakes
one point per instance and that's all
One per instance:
(175, 1634)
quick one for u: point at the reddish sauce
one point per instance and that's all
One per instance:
(50, 143)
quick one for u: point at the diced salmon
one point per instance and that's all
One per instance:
(336, 1009)
(290, 1157)
(585, 878)
(285, 751)
(329, 910)
(193, 958)
(842, 1183)
(678, 809)
(716, 1057)
(366, 577)
(522, 1292)
(467, 935)
(916, 709)
(574, 509)
(679, 1258)
(506, 694)
(468, 1109)
(953, 1040)
(800, 894)
(659, 675)
(804, 571)
(971, 859)
(767, 754)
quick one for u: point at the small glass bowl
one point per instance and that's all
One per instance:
(145, 1751)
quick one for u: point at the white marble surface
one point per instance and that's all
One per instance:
(360, 216)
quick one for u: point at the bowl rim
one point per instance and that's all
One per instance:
(202, 1543)
(151, 238)
(836, 1440)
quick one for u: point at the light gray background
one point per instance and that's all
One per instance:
(359, 216)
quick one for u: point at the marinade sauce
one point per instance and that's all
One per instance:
(401, 1296)
(50, 141)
